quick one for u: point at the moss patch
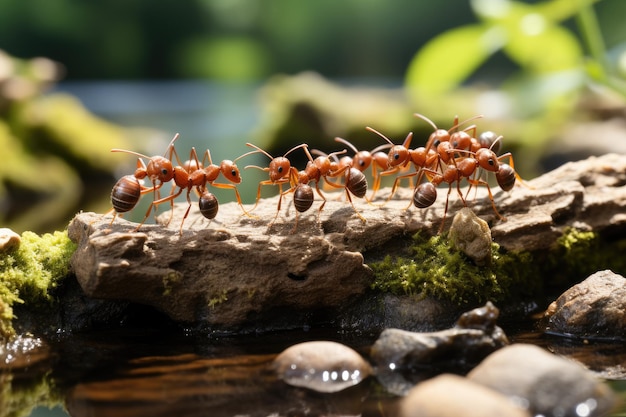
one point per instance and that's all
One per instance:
(28, 273)
(433, 268)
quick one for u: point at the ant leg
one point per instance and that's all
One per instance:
(237, 195)
(493, 203)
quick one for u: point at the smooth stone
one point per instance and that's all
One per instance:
(544, 383)
(450, 395)
(321, 366)
(9, 239)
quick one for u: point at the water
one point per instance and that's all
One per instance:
(164, 371)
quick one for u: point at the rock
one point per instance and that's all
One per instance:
(453, 396)
(9, 240)
(593, 309)
(221, 277)
(471, 235)
(402, 357)
(543, 383)
(239, 271)
(321, 366)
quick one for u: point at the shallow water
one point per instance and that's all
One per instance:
(139, 372)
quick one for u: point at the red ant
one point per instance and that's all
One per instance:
(400, 156)
(193, 174)
(280, 172)
(361, 160)
(127, 191)
(354, 180)
(316, 169)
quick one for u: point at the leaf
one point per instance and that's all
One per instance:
(543, 47)
(447, 60)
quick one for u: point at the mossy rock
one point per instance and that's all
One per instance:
(29, 272)
(432, 267)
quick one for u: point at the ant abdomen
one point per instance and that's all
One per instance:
(505, 177)
(356, 183)
(303, 197)
(208, 205)
(125, 194)
(425, 195)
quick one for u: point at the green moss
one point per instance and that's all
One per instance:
(434, 268)
(171, 280)
(28, 273)
(218, 298)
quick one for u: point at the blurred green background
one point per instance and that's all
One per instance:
(279, 73)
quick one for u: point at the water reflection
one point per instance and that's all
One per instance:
(139, 372)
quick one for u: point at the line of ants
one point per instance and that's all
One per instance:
(449, 156)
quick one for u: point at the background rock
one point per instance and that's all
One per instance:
(595, 308)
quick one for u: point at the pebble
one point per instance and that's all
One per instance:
(471, 235)
(544, 383)
(9, 239)
(450, 395)
(321, 366)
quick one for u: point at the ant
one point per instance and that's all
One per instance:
(400, 156)
(466, 167)
(315, 170)
(280, 172)
(361, 160)
(127, 191)
(193, 174)
(354, 180)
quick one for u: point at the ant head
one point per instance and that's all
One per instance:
(160, 169)
(279, 168)
(230, 171)
(362, 160)
(460, 140)
(398, 154)
(487, 159)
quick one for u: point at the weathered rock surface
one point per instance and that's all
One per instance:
(401, 357)
(238, 269)
(595, 308)
(452, 395)
(544, 383)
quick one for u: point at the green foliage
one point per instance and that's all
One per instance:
(533, 36)
(29, 272)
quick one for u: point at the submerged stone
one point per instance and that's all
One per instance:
(452, 396)
(544, 383)
(321, 366)
(403, 358)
